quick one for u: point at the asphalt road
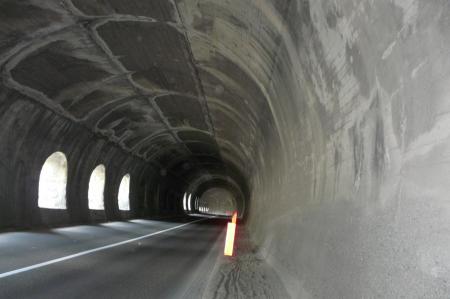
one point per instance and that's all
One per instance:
(133, 259)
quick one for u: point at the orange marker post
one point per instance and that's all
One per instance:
(234, 218)
(229, 241)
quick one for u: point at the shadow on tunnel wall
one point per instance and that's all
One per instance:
(152, 108)
(29, 134)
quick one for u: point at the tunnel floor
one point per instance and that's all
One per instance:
(133, 259)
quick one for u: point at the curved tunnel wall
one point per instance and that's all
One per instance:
(30, 134)
(330, 115)
(349, 192)
(348, 186)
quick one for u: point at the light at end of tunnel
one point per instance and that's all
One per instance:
(229, 241)
(234, 218)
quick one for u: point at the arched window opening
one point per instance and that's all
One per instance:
(184, 202)
(189, 202)
(53, 182)
(124, 193)
(97, 188)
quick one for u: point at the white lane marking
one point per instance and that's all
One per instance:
(65, 258)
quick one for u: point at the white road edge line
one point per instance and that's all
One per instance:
(72, 256)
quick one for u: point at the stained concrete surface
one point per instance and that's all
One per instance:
(328, 118)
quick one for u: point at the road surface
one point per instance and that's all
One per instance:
(133, 259)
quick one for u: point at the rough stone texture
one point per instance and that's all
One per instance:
(349, 194)
(329, 117)
(352, 202)
(244, 275)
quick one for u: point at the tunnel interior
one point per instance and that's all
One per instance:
(322, 123)
(116, 86)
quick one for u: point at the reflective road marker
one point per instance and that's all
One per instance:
(229, 241)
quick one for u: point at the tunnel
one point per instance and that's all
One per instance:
(132, 130)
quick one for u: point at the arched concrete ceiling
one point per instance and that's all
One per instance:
(162, 79)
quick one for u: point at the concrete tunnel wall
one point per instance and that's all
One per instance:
(29, 135)
(349, 195)
(353, 201)
(331, 115)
